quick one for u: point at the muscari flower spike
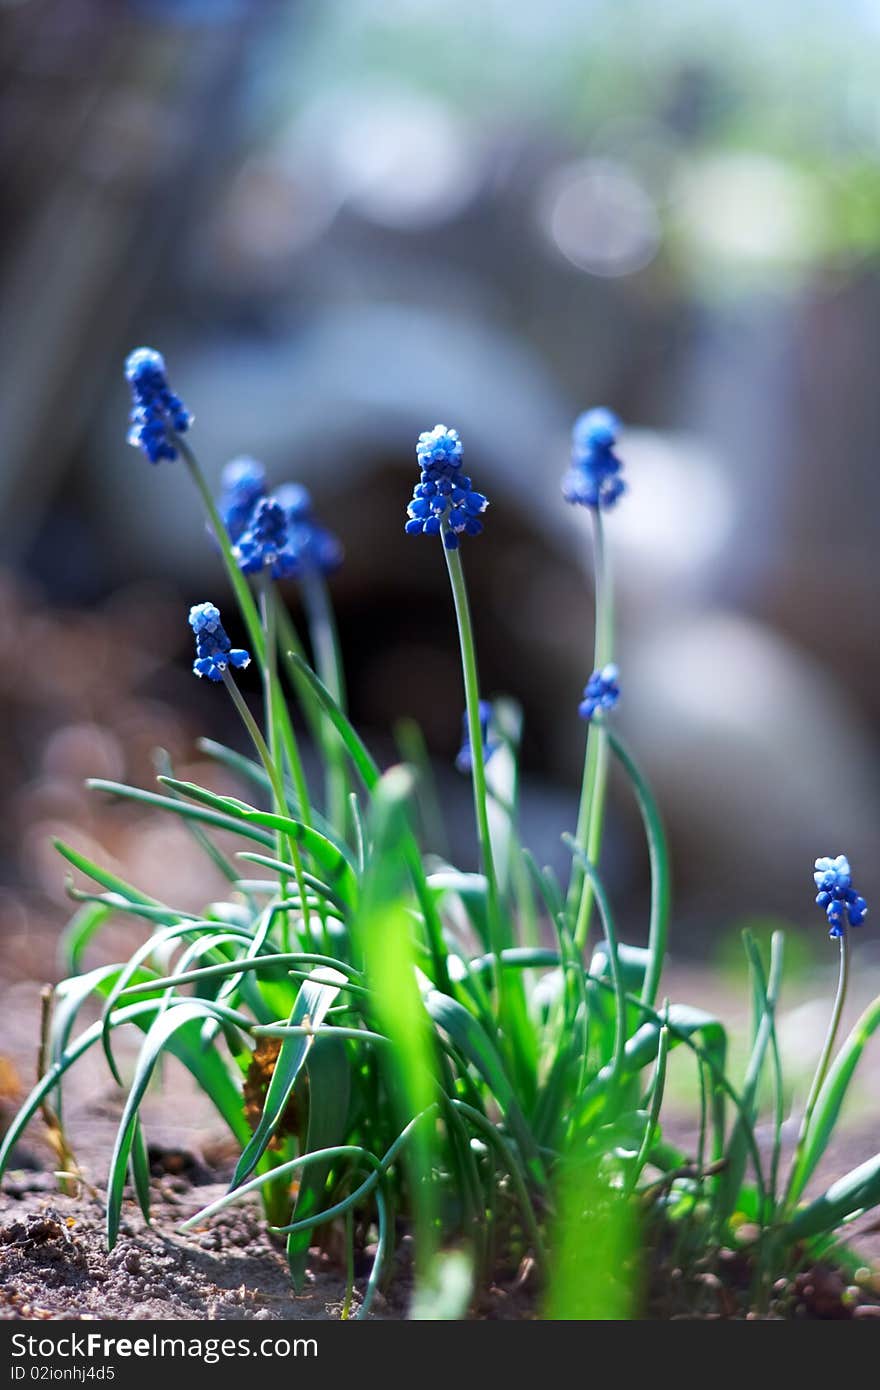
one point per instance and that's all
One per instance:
(214, 651)
(833, 878)
(601, 692)
(243, 484)
(464, 760)
(443, 500)
(594, 477)
(261, 544)
(157, 415)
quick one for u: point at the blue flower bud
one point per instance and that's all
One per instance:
(842, 904)
(259, 547)
(443, 499)
(244, 483)
(601, 692)
(593, 479)
(157, 415)
(214, 651)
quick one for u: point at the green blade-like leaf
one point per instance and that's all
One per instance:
(187, 1014)
(80, 930)
(845, 1199)
(109, 880)
(335, 863)
(471, 1039)
(832, 1095)
(256, 774)
(312, 1002)
(738, 1144)
(364, 764)
(140, 1170)
(658, 852)
(329, 1074)
(215, 817)
(53, 1075)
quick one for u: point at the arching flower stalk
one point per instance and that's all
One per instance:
(276, 534)
(445, 504)
(215, 659)
(594, 481)
(844, 908)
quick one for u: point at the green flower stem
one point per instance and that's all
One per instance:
(273, 725)
(328, 663)
(290, 647)
(821, 1072)
(251, 617)
(591, 812)
(511, 996)
(497, 934)
(275, 782)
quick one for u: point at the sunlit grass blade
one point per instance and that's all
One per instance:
(383, 934)
(594, 1216)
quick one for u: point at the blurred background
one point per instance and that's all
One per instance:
(345, 220)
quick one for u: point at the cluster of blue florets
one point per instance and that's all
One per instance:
(464, 760)
(601, 692)
(833, 878)
(243, 484)
(262, 544)
(594, 478)
(157, 415)
(214, 651)
(443, 500)
(276, 530)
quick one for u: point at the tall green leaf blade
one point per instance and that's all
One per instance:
(215, 817)
(80, 930)
(857, 1191)
(312, 1002)
(335, 862)
(475, 1044)
(364, 763)
(329, 1073)
(832, 1095)
(188, 1014)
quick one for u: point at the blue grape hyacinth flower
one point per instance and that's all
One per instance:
(444, 500)
(594, 478)
(842, 904)
(157, 415)
(261, 544)
(214, 651)
(601, 692)
(309, 547)
(464, 760)
(243, 485)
